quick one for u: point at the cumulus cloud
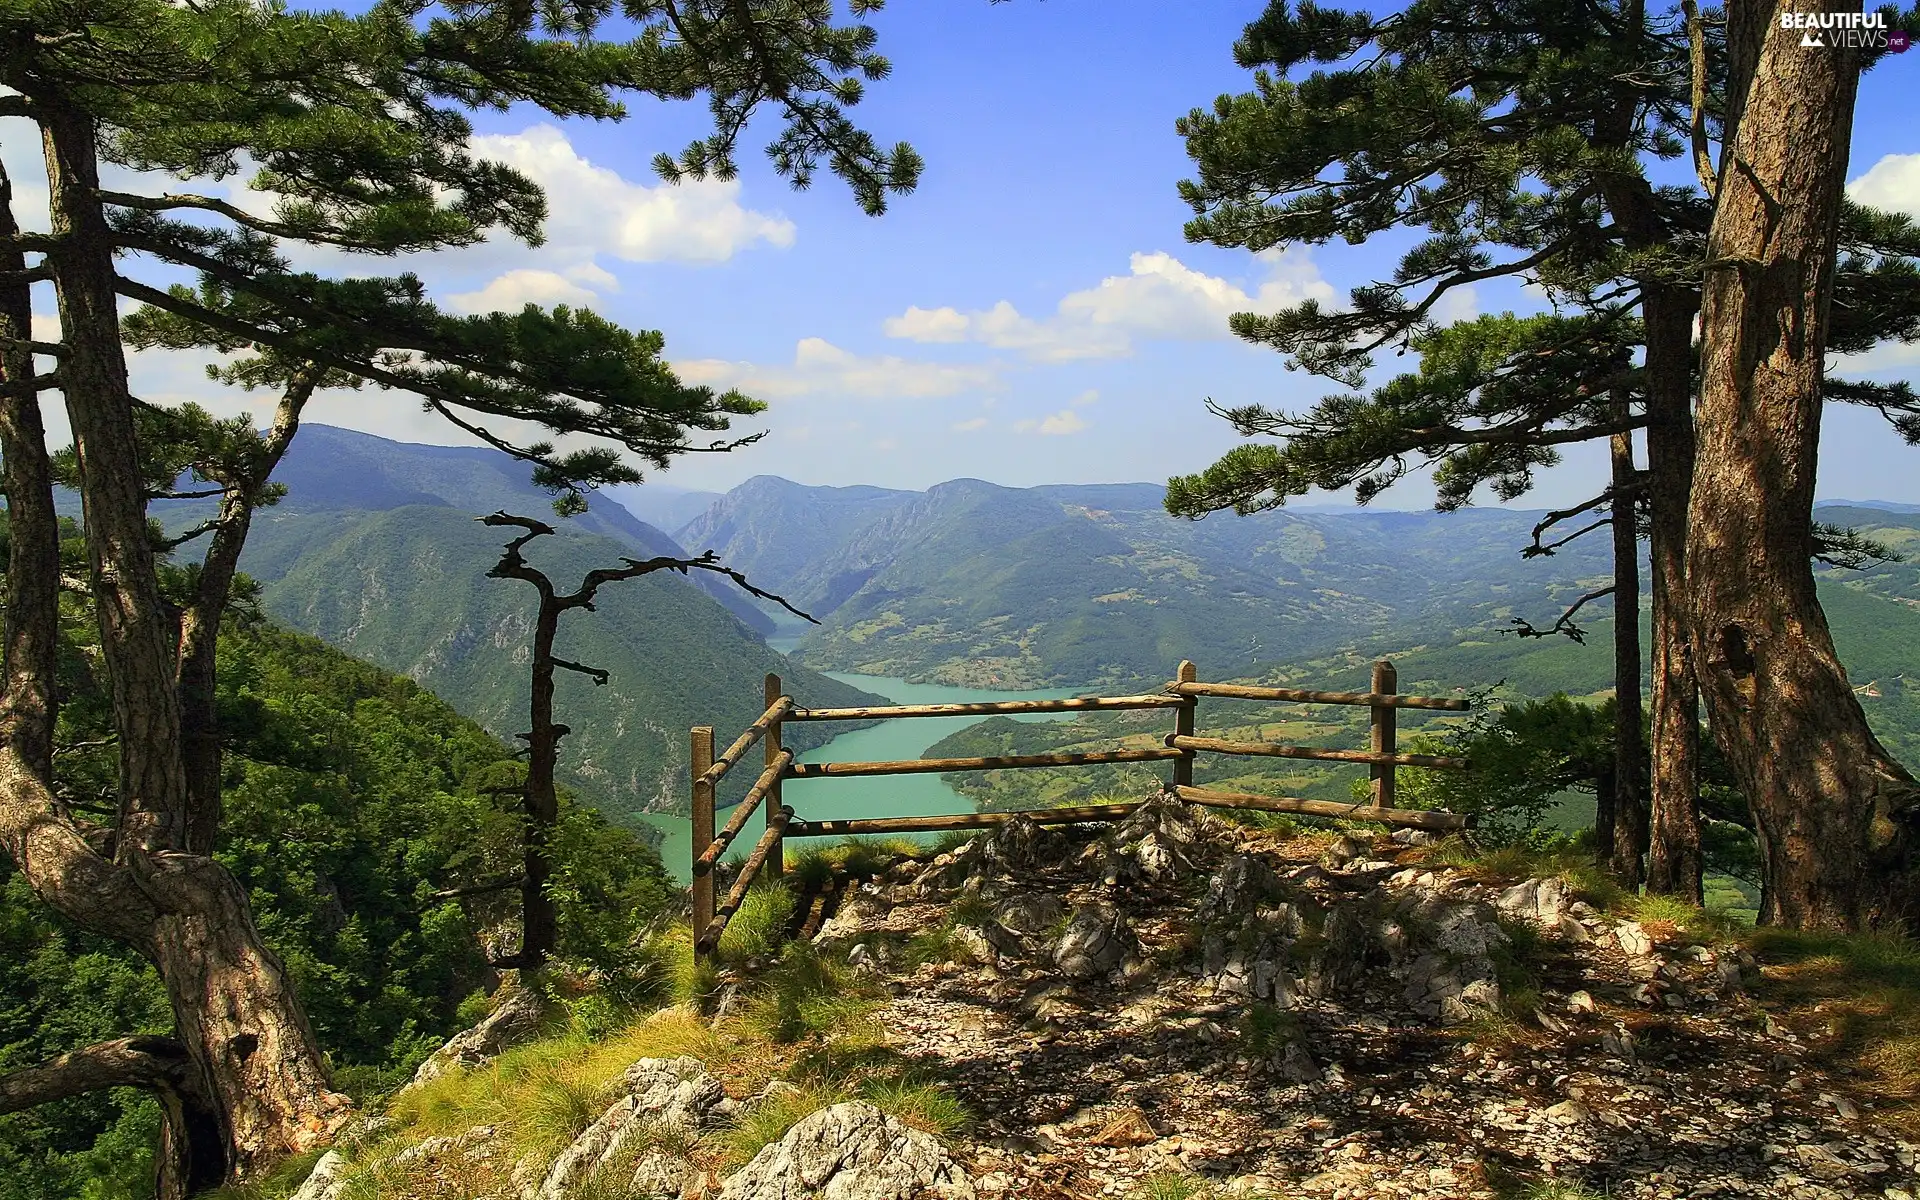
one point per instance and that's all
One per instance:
(597, 210)
(1159, 298)
(1892, 185)
(969, 425)
(518, 288)
(1059, 424)
(819, 366)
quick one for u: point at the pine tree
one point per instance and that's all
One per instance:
(1521, 137)
(357, 125)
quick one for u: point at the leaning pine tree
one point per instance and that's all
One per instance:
(357, 127)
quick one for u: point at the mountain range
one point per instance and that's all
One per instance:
(376, 549)
(1095, 585)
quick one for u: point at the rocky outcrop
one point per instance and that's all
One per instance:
(661, 1096)
(516, 1018)
(851, 1152)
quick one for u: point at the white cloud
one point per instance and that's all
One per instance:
(518, 288)
(1085, 398)
(594, 209)
(1059, 424)
(1456, 304)
(1892, 184)
(1160, 297)
(969, 425)
(819, 366)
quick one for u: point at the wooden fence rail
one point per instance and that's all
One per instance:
(1180, 748)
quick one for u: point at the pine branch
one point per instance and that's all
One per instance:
(1564, 514)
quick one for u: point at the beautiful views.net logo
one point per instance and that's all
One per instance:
(1845, 30)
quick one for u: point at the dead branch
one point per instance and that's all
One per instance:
(1524, 628)
(151, 1063)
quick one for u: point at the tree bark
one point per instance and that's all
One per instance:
(196, 669)
(1838, 819)
(1667, 318)
(1673, 840)
(251, 1053)
(1620, 818)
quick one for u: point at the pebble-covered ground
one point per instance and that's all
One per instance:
(1114, 1015)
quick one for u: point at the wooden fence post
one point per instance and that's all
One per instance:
(1183, 725)
(1386, 681)
(700, 760)
(776, 857)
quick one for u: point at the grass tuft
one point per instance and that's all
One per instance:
(1857, 996)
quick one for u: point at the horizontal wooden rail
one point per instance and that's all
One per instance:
(856, 826)
(1236, 691)
(774, 773)
(1439, 822)
(777, 711)
(984, 709)
(749, 870)
(1277, 750)
(927, 766)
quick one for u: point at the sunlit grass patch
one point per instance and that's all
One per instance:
(1858, 996)
(768, 1119)
(1663, 913)
(760, 924)
(852, 856)
(916, 1104)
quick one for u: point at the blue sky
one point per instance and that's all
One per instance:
(1031, 314)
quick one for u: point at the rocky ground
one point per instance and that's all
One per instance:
(1181, 994)
(1177, 998)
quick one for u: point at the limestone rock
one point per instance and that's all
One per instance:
(1241, 885)
(851, 1151)
(674, 1094)
(1096, 941)
(515, 1019)
(328, 1180)
(1541, 900)
(662, 1175)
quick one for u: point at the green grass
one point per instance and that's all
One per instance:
(760, 925)
(1857, 998)
(857, 857)
(940, 944)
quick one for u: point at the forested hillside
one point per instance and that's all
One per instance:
(375, 549)
(972, 583)
(355, 801)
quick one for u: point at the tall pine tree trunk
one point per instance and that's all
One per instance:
(255, 1072)
(1838, 819)
(1673, 845)
(1622, 824)
(1667, 317)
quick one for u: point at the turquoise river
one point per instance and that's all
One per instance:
(870, 796)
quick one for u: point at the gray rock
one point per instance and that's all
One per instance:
(1540, 900)
(661, 1094)
(1095, 942)
(1241, 885)
(515, 1019)
(328, 1180)
(1030, 915)
(851, 1152)
(661, 1175)
(1632, 939)
(1346, 850)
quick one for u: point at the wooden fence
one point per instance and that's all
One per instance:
(1180, 748)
